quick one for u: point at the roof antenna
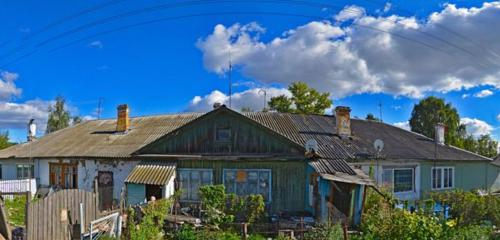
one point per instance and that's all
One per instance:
(230, 80)
(380, 108)
(99, 107)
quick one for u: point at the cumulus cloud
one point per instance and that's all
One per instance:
(444, 52)
(404, 125)
(17, 115)
(251, 98)
(8, 88)
(483, 93)
(476, 127)
(498, 117)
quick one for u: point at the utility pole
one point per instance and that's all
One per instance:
(380, 109)
(230, 80)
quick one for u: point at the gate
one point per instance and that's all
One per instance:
(58, 215)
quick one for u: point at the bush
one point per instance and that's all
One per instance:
(326, 231)
(188, 233)
(16, 209)
(222, 208)
(469, 232)
(151, 225)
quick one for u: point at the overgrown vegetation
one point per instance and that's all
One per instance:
(222, 208)
(471, 217)
(149, 223)
(16, 209)
(326, 231)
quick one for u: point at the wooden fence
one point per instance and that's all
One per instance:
(58, 215)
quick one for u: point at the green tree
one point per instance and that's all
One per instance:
(59, 117)
(304, 100)
(431, 111)
(486, 146)
(4, 140)
(371, 117)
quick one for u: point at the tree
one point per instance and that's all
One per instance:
(371, 117)
(59, 117)
(304, 100)
(486, 146)
(431, 111)
(76, 120)
(4, 140)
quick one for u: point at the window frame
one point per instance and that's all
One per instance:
(25, 174)
(441, 184)
(228, 140)
(269, 171)
(63, 168)
(413, 179)
(192, 170)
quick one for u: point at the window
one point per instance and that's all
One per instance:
(223, 135)
(190, 181)
(248, 181)
(442, 177)
(399, 179)
(63, 175)
(25, 171)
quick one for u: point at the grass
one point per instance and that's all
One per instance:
(16, 209)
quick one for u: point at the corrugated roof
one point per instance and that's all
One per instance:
(157, 173)
(97, 138)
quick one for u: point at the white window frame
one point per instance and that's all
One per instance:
(441, 184)
(191, 170)
(392, 180)
(25, 173)
(247, 170)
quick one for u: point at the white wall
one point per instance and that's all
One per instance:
(88, 170)
(378, 169)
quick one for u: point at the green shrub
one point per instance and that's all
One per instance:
(256, 237)
(475, 232)
(185, 233)
(151, 225)
(16, 209)
(326, 232)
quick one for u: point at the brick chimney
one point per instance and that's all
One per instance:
(123, 121)
(439, 133)
(343, 117)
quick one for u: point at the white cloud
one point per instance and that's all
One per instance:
(404, 125)
(350, 59)
(476, 127)
(387, 7)
(498, 117)
(465, 95)
(484, 93)
(96, 44)
(17, 115)
(350, 13)
(251, 98)
(8, 88)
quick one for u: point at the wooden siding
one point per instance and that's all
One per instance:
(288, 179)
(45, 217)
(247, 137)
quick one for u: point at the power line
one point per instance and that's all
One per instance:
(198, 2)
(192, 3)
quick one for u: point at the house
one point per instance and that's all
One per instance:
(298, 163)
(136, 158)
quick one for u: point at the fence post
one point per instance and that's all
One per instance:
(244, 230)
(26, 214)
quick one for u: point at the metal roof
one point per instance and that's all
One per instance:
(157, 173)
(97, 138)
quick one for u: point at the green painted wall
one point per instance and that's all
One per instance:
(468, 175)
(288, 179)
(136, 193)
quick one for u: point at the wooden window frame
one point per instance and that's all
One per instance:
(441, 183)
(63, 167)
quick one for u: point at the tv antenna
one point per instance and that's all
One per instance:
(262, 90)
(99, 107)
(380, 109)
(230, 80)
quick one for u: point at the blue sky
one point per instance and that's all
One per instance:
(363, 52)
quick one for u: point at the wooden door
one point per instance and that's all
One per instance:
(316, 196)
(105, 186)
